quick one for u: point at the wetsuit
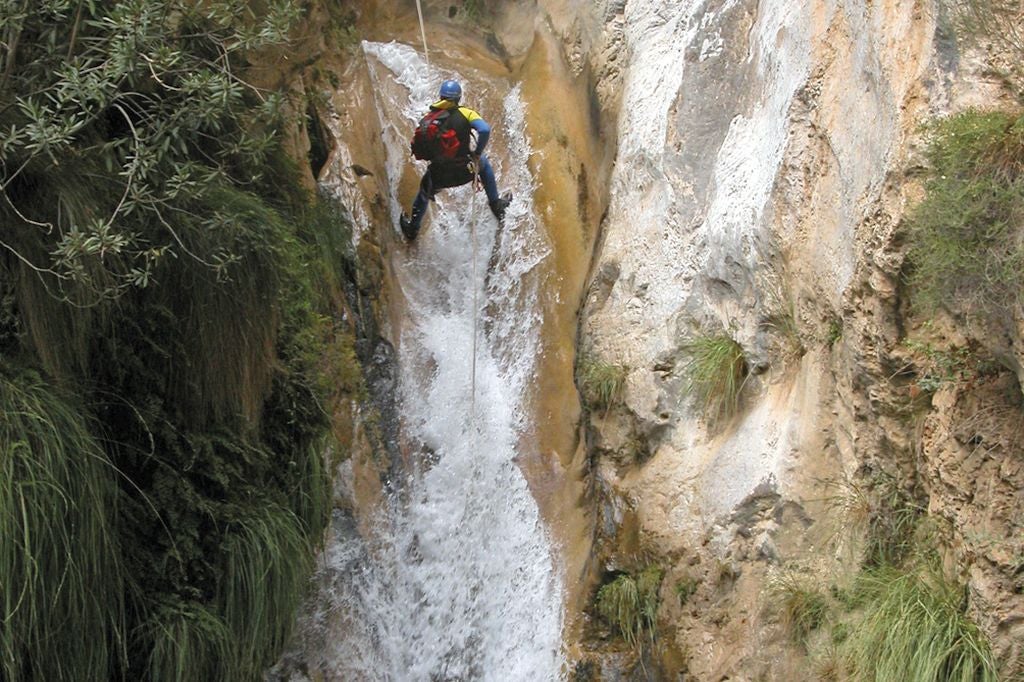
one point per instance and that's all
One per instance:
(441, 174)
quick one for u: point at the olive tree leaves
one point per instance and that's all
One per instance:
(114, 119)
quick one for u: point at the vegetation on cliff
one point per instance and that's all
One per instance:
(630, 604)
(913, 627)
(715, 373)
(162, 487)
(600, 383)
(965, 236)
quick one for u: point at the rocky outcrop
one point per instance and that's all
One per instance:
(971, 444)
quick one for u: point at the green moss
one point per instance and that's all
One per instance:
(686, 588)
(834, 332)
(341, 29)
(937, 367)
(472, 11)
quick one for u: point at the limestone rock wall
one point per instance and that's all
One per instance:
(765, 159)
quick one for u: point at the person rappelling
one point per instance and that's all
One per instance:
(443, 138)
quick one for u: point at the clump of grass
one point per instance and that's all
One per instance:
(828, 665)
(914, 628)
(685, 588)
(630, 603)
(715, 374)
(834, 331)
(600, 382)
(879, 507)
(790, 346)
(894, 523)
(850, 507)
(61, 581)
(186, 641)
(802, 609)
(966, 247)
(267, 558)
(781, 320)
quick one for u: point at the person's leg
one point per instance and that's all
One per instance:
(497, 203)
(419, 204)
(486, 174)
(411, 225)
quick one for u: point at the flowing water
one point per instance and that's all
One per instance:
(458, 581)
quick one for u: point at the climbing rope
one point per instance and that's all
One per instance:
(472, 230)
(423, 34)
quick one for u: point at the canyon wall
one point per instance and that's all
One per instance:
(766, 156)
(740, 169)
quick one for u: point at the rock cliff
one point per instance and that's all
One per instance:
(736, 169)
(767, 154)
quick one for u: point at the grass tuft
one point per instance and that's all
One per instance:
(630, 603)
(267, 561)
(61, 581)
(914, 628)
(878, 507)
(715, 374)
(187, 642)
(802, 609)
(781, 320)
(600, 382)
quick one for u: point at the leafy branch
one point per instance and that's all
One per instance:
(114, 120)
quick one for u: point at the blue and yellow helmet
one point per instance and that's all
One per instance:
(450, 90)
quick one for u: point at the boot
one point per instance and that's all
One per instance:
(410, 227)
(499, 205)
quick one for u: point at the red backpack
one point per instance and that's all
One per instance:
(435, 137)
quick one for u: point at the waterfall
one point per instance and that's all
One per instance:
(458, 581)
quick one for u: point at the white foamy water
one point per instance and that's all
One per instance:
(458, 581)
